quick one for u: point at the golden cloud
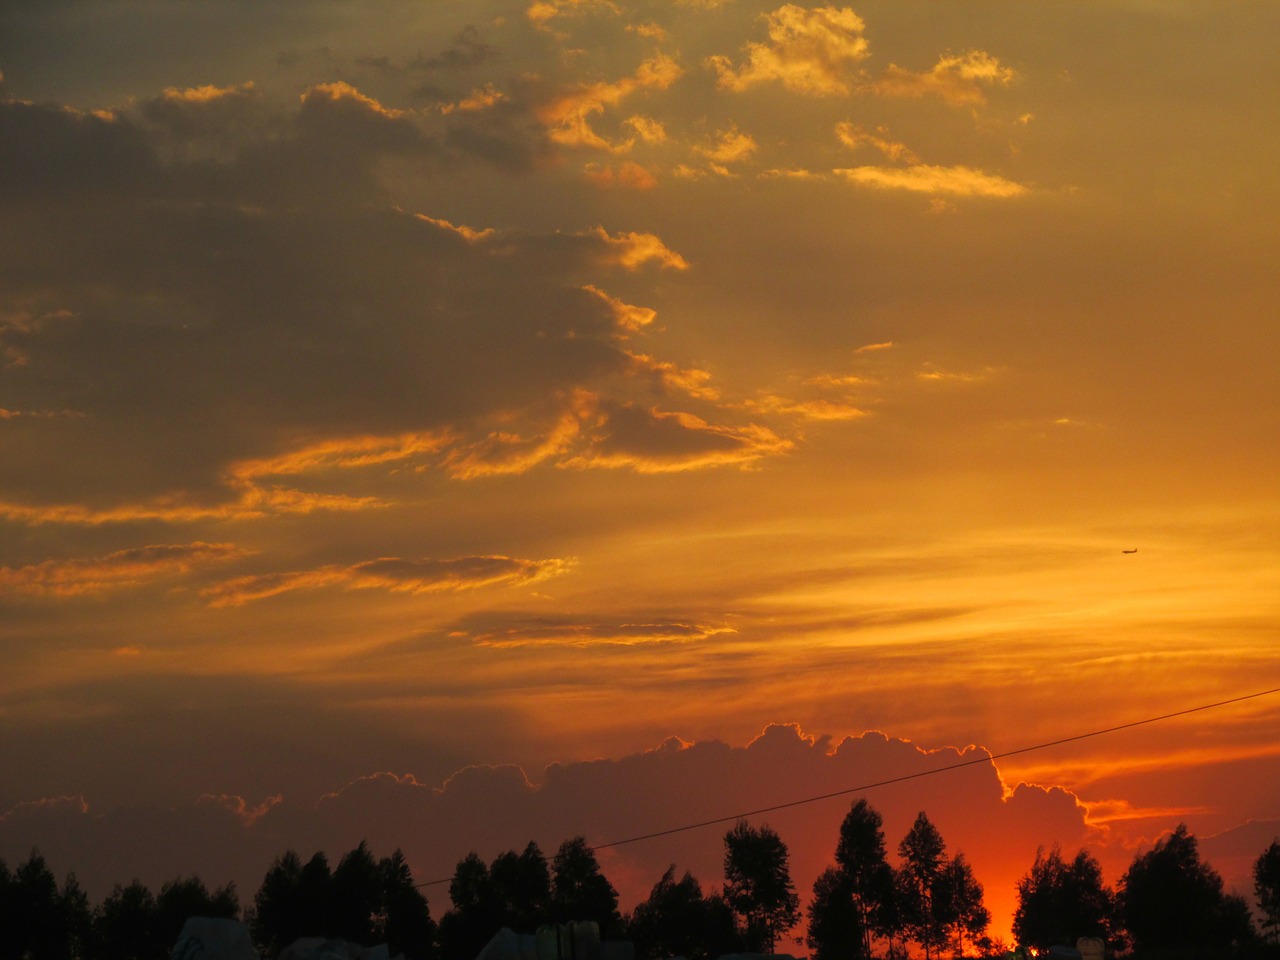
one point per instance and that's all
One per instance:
(925, 178)
(590, 632)
(469, 234)
(648, 440)
(810, 51)
(628, 175)
(504, 453)
(853, 136)
(393, 574)
(691, 381)
(567, 117)
(956, 79)
(481, 98)
(819, 409)
(204, 94)
(628, 317)
(633, 250)
(342, 92)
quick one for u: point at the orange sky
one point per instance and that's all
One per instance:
(403, 406)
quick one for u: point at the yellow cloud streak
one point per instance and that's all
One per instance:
(926, 178)
(391, 574)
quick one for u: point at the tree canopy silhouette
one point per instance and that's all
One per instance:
(676, 920)
(1059, 902)
(1172, 902)
(757, 885)
(1266, 887)
(579, 891)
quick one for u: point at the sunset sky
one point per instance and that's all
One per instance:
(459, 422)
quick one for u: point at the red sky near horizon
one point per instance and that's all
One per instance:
(455, 424)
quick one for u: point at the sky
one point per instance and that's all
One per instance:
(459, 423)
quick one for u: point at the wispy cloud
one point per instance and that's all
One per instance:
(393, 574)
(518, 630)
(123, 569)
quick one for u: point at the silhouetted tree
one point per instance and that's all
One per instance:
(405, 923)
(355, 897)
(678, 921)
(522, 887)
(924, 859)
(37, 919)
(125, 926)
(1266, 887)
(1170, 901)
(474, 917)
(861, 858)
(939, 898)
(757, 885)
(293, 901)
(958, 905)
(1059, 902)
(182, 898)
(579, 891)
(836, 930)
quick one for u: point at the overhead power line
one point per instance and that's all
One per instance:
(990, 758)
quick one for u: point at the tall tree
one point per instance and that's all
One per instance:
(315, 898)
(405, 919)
(964, 917)
(474, 917)
(861, 857)
(1059, 902)
(1266, 887)
(579, 891)
(522, 887)
(277, 910)
(1170, 901)
(355, 897)
(919, 878)
(757, 884)
(836, 930)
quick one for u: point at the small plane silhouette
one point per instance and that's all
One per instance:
(1134, 550)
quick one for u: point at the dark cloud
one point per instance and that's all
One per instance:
(491, 808)
(193, 311)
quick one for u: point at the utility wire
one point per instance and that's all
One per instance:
(919, 774)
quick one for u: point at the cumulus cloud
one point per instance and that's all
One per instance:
(810, 51)
(957, 79)
(728, 147)
(488, 809)
(293, 351)
(567, 116)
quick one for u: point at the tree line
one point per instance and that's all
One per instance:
(1168, 904)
